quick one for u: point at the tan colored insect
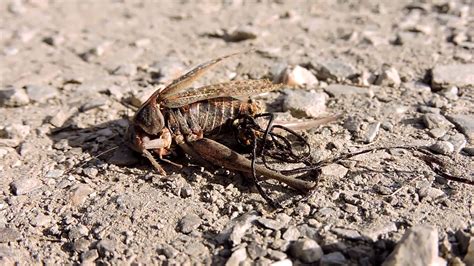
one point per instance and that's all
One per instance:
(189, 117)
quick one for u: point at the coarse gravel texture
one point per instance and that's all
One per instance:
(397, 73)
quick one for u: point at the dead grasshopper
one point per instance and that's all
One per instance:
(189, 117)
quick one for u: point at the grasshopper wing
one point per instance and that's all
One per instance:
(234, 89)
(182, 83)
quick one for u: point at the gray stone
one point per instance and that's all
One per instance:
(333, 259)
(347, 233)
(337, 90)
(54, 173)
(237, 228)
(436, 121)
(13, 97)
(437, 132)
(335, 69)
(459, 75)
(80, 193)
(418, 246)
(431, 193)
(459, 142)
(442, 147)
(334, 171)
(256, 250)
(60, 117)
(54, 40)
(304, 104)
(90, 172)
(463, 240)
(450, 93)
(41, 94)
(9, 235)
(89, 256)
(240, 34)
(426, 109)
(25, 185)
(41, 220)
(298, 76)
(292, 233)
(189, 223)
(276, 255)
(469, 257)
(78, 231)
(280, 222)
(237, 257)
(196, 249)
(186, 191)
(285, 262)
(169, 251)
(106, 247)
(379, 229)
(389, 77)
(464, 123)
(15, 131)
(81, 245)
(371, 132)
(306, 250)
(469, 151)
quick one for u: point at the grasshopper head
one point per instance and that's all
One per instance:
(149, 118)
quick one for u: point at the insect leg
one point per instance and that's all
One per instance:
(155, 164)
(221, 155)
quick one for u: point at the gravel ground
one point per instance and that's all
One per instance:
(398, 73)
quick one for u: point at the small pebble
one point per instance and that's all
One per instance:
(334, 171)
(80, 193)
(306, 250)
(335, 69)
(9, 235)
(106, 246)
(237, 257)
(304, 104)
(41, 93)
(292, 233)
(333, 259)
(276, 255)
(436, 121)
(298, 76)
(13, 97)
(337, 90)
(90, 172)
(26, 185)
(371, 133)
(60, 117)
(347, 233)
(81, 245)
(465, 123)
(459, 75)
(418, 246)
(189, 223)
(442, 147)
(240, 34)
(389, 77)
(437, 132)
(89, 256)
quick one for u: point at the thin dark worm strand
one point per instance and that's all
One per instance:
(246, 127)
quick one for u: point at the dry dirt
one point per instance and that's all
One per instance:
(83, 65)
